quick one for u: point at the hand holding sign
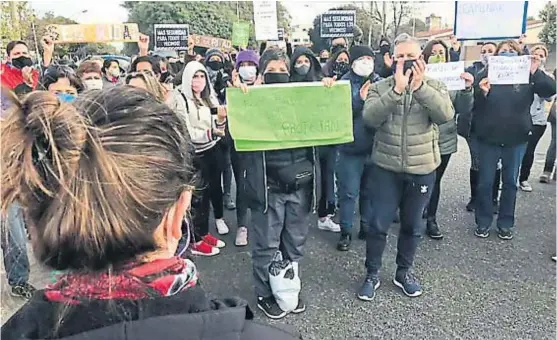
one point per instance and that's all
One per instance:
(48, 44)
(468, 79)
(329, 82)
(485, 86)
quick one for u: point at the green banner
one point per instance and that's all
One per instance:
(294, 115)
(240, 34)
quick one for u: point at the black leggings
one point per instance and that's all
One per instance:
(528, 160)
(434, 200)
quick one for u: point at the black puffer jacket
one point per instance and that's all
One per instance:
(314, 74)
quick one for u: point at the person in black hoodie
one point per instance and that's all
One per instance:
(304, 65)
(338, 65)
(502, 125)
(122, 278)
(384, 61)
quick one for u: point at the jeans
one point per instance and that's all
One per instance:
(436, 194)
(474, 152)
(528, 160)
(327, 161)
(550, 155)
(511, 157)
(354, 179)
(391, 191)
(14, 246)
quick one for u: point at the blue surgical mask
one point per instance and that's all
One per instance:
(508, 54)
(66, 97)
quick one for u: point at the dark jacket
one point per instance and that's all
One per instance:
(328, 69)
(503, 117)
(380, 68)
(314, 73)
(187, 315)
(363, 135)
(552, 118)
(465, 119)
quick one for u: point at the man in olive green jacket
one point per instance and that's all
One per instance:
(405, 110)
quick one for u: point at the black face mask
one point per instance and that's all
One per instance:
(21, 62)
(385, 49)
(215, 65)
(276, 78)
(337, 48)
(323, 60)
(340, 69)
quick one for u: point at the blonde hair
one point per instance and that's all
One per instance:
(540, 47)
(153, 85)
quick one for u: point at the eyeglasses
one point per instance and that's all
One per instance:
(139, 74)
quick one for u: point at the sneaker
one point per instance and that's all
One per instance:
(241, 237)
(328, 224)
(344, 242)
(213, 241)
(270, 307)
(471, 206)
(545, 177)
(203, 249)
(222, 228)
(25, 291)
(409, 284)
(367, 290)
(433, 230)
(525, 186)
(362, 234)
(481, 233)
(554, 258)
(300, 308)
(505, 234)
(229, 202)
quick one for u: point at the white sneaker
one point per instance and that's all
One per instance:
(222, 228)
(241, 237)
(328, 224)
(525, 186)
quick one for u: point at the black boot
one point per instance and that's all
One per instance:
(344, 242)
(495, 191)
(433, 229)
(362, 234)
(471, 206)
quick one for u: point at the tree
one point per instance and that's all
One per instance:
(16, 17)
(412, 27)
(548, 33)
(400, 11)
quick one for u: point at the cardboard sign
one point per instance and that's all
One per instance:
(211, 42)
(93, 33)
(265, 18)
(171, 37)
(509, 70)
(490, 20)
(448, 73)
(310, 115)
(240, 34)
(335, 24)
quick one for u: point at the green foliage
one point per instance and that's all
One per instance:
(548, 34)
(16, 17)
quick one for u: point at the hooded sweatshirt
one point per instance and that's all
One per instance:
(199, 121)
(314, 73)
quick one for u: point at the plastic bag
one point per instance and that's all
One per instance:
(285, 282)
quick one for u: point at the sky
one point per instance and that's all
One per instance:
(302, 12)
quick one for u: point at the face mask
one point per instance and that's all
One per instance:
(247, 72)
(302, 69)
(363, 67)
(323, 60)
(436, 59)
(114, 72)
(276, 78)
(21, 62)
(93, 84)
(66, 97)
(484, 58)
(337, 48)
(215, 65)
(385, 49)
(340, 69)
(198, 84)
(407, 66)
(508, 54)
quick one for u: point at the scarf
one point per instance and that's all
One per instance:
(164, 277)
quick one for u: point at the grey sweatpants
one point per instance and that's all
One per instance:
(284, 227)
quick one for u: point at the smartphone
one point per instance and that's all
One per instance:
(407, 65)
(214, 111)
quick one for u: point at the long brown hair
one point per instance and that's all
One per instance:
(97, 177)
(512, 44)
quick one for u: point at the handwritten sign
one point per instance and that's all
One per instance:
(509, 70)
(171, 37)
(211, 42)
(265, 18)
(336, 24)
(448, 73)
(240, 34)
(492, 20)
(93, 33)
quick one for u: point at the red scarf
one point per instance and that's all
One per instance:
(135, 281)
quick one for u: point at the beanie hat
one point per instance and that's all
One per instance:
(247, 55)
(273, 54)
(212, 52)
(358, 51)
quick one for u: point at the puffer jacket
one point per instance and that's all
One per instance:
(407, 136)
(463, 101)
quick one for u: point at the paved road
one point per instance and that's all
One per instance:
(474, 289)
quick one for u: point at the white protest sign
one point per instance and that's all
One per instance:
(448, 73)
(509, 70)
(491, 20)
(265, 18)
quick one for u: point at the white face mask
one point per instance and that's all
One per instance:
(363, 67)
(93, 84)
(247, 72)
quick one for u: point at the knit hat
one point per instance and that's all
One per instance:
(273, 54)
(212, 52)
(247, 55)
(358, 51)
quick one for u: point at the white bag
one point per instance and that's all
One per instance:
(285, 282)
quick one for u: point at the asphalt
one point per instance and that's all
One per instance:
(473, 288)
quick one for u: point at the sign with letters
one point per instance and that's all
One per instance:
(335, 24)
(303, 114)
(211, 42)
(171, 37)
(240, 34)
(94, 33)
(448, 73)
(265, 18)
(509, 70)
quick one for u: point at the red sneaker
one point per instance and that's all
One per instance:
(213, 241)
(203, 249)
